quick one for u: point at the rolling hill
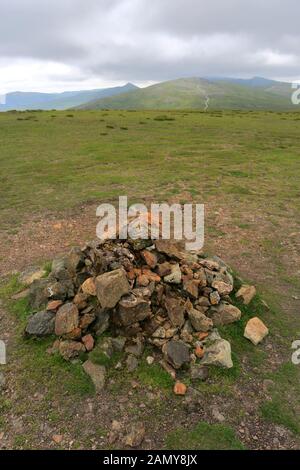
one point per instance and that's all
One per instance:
(68, 99)
(199, 93)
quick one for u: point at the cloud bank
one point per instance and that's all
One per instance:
(74, 44)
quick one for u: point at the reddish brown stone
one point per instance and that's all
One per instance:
(180, 388)
(201, 335)
(150, 258)
(152, 277)
(54, 305)
(131, 274)
(88, 342)
(199, 352)
(66, 319)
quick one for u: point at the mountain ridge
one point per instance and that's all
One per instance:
(203, 93)
(19, 100)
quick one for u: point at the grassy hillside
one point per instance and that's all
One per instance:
(197, 93)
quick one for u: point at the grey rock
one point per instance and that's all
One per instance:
(136, 348)
(118, 343)
(97, 374)
(213, 336)
(61, 290)
(135, 436)
(106, 347)
(59, 270)
(214, 297)
(175, 276)
(177, 353)
(41, 324)
(75, 260)
(193, 400)
(102, 321)
(217, 415)
(218, 354)
(224, 314)
(199, 372)
(199, 320)
(38, 293)
(131, 363)
(175, 308)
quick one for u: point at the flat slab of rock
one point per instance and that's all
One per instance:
(171, 249)
(176, 353)
(97, 374)
(222, 287)
(21, 295)
(31, 275)
(111, 286)
(175, 308)
(246, 294)
(255, 330)
(41, 324)
(218, 354)
(66, 319)
(135, 436)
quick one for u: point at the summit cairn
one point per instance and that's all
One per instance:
(140, 292)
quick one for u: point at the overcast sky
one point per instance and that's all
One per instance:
(55, 45)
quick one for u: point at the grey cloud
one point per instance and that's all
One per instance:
(155, 40)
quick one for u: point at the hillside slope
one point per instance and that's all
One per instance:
(197, 93)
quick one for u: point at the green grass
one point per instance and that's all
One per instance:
(204, 437)
(99, 357)
(284, 408)
(154, 375)
(56, 164)
(280, 413)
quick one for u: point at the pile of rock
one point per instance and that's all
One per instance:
(143, 292)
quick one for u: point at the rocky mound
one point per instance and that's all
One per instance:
(142, 292)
